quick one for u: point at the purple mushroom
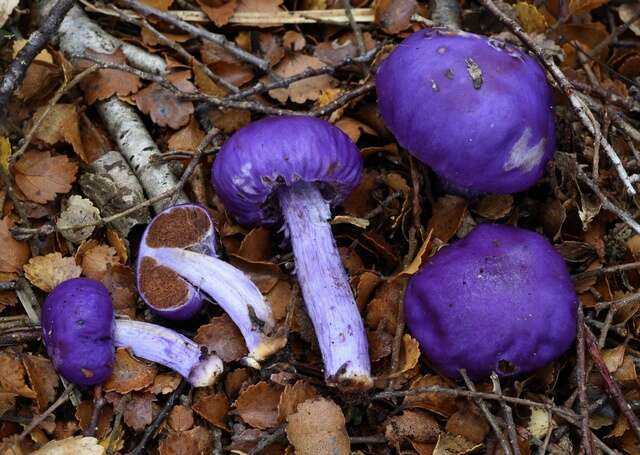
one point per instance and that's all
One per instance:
(177, 260)
(500, 300)
(80, 334)
(477, 110)
(294, 169)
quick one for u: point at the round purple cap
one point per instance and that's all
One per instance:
(277, 151)
(476, 110)
(501, 299)
(77, 325)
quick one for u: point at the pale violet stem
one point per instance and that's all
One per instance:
(164, 346)
(232, 290)
(325, 285)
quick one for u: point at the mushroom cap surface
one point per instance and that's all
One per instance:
(476, 110)
(77, 326)
(501, 299)
(277, 151)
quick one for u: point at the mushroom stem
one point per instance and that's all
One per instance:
(233, 291)
(325, 286)
(166, 347)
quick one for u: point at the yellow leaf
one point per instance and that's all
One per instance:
(410, 354)
(46, 272)
(74, 445)
(5, 152)
(531, 19)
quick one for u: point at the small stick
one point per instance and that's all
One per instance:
(508, 415)
(617, 304)
(357, 31)
(397, 344)
(117, 422)
(487, 414)
(98, 404)
(7, 286)
(41, 418)
(611, 269)
(269, 439)
(581, 378)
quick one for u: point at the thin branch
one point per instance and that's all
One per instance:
(41, 418)
(269, 439)
(507, 415)
(581, 378)
(357, 31)
(602, 271)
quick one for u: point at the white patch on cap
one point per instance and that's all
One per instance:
(522, 156)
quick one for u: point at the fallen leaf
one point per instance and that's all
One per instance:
(415, 425)
(257, 405)
(165, 383)
(449, 444)
(61, 124)
(6, 8)
(279, 298)
(196, 441)
(626, 13)
(584, 6)
(318, 427)
(354, 128)
(219, 11)
(138, 412)
(235, 381)
(43, 379)
(162, 5)
(447, 215)
(162, 105)
(539, 422)
(40, 81)
(84, 413)
(270, 47)
(293, 40)
(12, 379)
(7, 401)
(46, 272)
(230, 120)
(336, 51)
(40, 176)
(613, 358)
(626, 373)
(468, 422)
(118, 243)
(532, 20)
(306, 89)
(77, 211)
(494, 206)
(84, 445)
(394, 16)
(205, 84)
(181, 418)
(222, 337)
(383, 308)
(187, 138)
(129, 374)
(439, 403)
(97, 261)
(213, 408)
(105, 83)
(409, 355)
(266, 7)
(292, 396)
(15, 253)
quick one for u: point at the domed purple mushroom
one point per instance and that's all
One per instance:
(476, 110)
(80, 335)
(177, 260)
(294, 169)
(501, 299)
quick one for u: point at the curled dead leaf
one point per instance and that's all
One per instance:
(415, 425)
(46, 272)
(129, 374)
(257, 405)
(318, 427)
(222, 337)
(213, 408)
(43, 379)
(306, 89)
(197, 441)
(41, 176)
(293, 396)
(78, 211)
(15, 253)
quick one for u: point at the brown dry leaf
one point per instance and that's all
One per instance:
(213, 408)
(7, 401)
(409, 355)
(449, 444)
(270, 47)
(97, 261)
(46, 272)
(614, 357)
(40, 81)
(532, 20)
(256, 245)
(383, 309)
(77, 211)
(293, 41)
(294, 395)
(162, 5)
(318, 427)
(95, 140)
(165, 383)
(8, 299)
(105, 83)
(415, 425)
(626, 373)
(306, 89)
(129, 374)
(448, 213)
(15, 253)
(60, 125)
(494, 206)
(354, 128)
(334, 52)
(193, 442)
(230, 120)
(181, 418)
(222, 337)
(394, 15)
(380, 344)
(584, 6)
(84, 445)
(236, 380)
(468, 422)
(205, 84)
(118, 243)
(162, 105)
(439, 403)
(138, 412)
(626, 13)
(257, 405)
(219, 11)
(12, 379)
(43, 379)
(266, 7)
(84, 413)
(40, 176)
(187, 138)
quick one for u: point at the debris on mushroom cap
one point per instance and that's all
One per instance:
(501, 299)
(77, 324)
(478, 111)
(277, 151)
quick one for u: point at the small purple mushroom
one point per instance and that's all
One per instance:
(80, 335)
(296, 168)
(477, 110)
(501, 299)
(177, 259)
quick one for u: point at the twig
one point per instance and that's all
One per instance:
(20, 336)
(617, 32)
(612, 269)
(487, 414)
(37, 41)
(7, 285)
(579, 107)
(547, 437)
(617, 304)
(373, 439)
(612, 387)
(198, 32)
(397, 344)
(28, 300)
(148, 432)
(64, 88)
(266, 441)
(508, 415)
(98, 404)
(581, 378)
(342, 100)
(39, 419)
(357, 31)
(446, 12)
(117, 422)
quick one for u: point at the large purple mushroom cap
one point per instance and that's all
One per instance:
(278, 151)
(77, 325)
(477, 110)
(501, 299)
